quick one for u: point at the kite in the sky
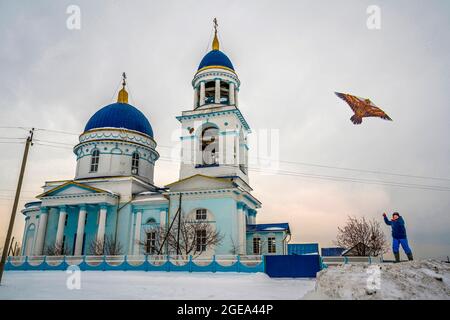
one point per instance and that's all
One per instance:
(362, 108)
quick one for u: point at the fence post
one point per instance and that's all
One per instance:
(44, 263)
(168, 264)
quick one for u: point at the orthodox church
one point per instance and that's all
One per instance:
(113, 194)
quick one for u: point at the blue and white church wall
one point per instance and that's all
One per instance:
(113, 193)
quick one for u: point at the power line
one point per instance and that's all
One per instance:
(55, 142)
(303, 163)
(316, 176)
(340, 178)
(57, 131)
(62, 145)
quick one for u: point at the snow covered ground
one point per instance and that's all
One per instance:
(426, 279)
(150, 285)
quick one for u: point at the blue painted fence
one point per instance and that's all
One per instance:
(142, 263)
(293, 266)
(303, 248)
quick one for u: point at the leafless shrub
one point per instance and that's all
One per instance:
(362, 231)
(194, 237)
(110, 247)
(57, 249)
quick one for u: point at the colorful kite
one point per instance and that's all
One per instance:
(362, 108)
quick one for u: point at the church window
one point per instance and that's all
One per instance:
(94, 160)
(271, 245)
(200, 214)
(210, 92)
(66, 219)
(224, 93)
(201, 241)
(151, 221)
(150, 243)
(63, 244)
(256, 245)
(86, 219)
(135, 163)
(209, 145)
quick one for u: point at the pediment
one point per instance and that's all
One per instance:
(71, 188)
(200, 182)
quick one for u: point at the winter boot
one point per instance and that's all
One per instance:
(397, 256)
(410, 256)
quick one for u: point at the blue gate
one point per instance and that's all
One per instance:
(293, 266)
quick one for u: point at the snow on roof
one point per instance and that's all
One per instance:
(269, 227)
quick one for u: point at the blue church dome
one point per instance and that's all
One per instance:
(120, 115)
(215, 58)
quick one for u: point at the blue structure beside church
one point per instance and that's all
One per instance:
(113, 196)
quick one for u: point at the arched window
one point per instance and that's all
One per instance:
(95, 157)
(210, 146)
(135, 163)
(224, 93)
(210, 92)
(150, 221)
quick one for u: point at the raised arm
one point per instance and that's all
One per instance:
(386, 220)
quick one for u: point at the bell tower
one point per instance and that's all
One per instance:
(214, 132)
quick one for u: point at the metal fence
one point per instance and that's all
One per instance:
(219, 263)
(341, 260)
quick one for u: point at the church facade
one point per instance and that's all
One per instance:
(113, 194)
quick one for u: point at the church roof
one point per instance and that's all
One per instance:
(120, 115)
(267, 227)
(215, 58)
(69, 184)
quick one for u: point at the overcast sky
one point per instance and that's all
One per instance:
(290, 57)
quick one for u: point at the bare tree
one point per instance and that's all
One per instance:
(195, 236)
(56, 249)
(110, 247)
(235, 247)
(365, 236)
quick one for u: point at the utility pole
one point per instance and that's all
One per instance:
(28, 143)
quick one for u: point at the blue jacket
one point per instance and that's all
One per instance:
(398, 227)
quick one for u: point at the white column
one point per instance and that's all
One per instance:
(242, 228)
(202, 93)
(217, 92)
(196, 97)
(61, 222)
(80, 231)
(236, 95)
(102, 223)
(39, 247)
(137, 232)
(231, 93)
(162, 218)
